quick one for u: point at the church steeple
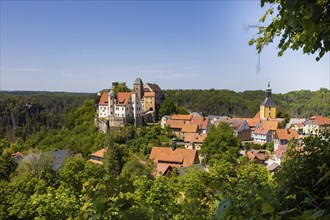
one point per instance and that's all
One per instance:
(269, 90)
(268, 106)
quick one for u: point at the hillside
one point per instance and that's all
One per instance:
(303, 103)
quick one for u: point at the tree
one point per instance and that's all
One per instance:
(121, 87)
(113, 161)
(7, 167)
(135, 168)
(40, 166)
(270, 146)
(304, 177)
(299, 24)
(220, 143)
(248, 188)
(167, 107)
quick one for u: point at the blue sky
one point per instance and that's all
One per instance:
(85, 45)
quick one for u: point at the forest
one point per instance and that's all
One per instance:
(303, 103)
(123, 188)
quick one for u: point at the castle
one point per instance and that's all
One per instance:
(115, 109)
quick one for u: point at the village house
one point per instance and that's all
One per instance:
(194, 140)
(98, 156)
(279, 153)
(315, 124)
(295, 123)
(271, 125)
(166, 158)
(241, 129)
(252, 122)
(18, 156)
(261, 136)
(283, 136)
(257, 156)
(182, 124)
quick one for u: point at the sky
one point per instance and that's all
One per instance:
(82, 46)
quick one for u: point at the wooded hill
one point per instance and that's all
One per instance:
(303, 103)
(25, 112)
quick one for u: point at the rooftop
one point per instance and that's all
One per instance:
(177, 157)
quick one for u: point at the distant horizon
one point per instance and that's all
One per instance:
(57, 91)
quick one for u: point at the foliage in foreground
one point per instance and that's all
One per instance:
(302, 24)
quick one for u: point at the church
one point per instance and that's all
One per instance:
(268, 106)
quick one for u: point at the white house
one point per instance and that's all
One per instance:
(315, 124)
(262, 135)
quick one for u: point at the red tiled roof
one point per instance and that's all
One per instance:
(236, 123)
(17, 154)
(194, 137)
(100, 153)
(181, 117)
(197, 120)
(270, 125)
(280, 151)
(189, 128)
(104, 98)
(321, 120)
(185, 157)
(162, 168)
(262, 131)
(250, 155)
(252, 122)
(287, 134)
(123, 97)
(205, 123)
(256, 154)
(175, 123)
(257, 115)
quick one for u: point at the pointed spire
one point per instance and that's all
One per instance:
(269, 90)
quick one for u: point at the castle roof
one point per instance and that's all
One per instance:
(123, 98)
(104, 98)
(138, 81)
(154, 87)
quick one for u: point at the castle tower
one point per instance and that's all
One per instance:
(138, 87)
(111, 101)
(268, 106)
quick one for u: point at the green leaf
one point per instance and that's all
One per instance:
(222, 208)
(267, 208)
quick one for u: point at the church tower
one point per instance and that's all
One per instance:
(268, 106)
(138, 87)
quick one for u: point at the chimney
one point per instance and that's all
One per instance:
(173, 144)
(288, 131)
